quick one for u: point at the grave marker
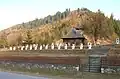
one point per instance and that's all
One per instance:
(59, 46)
(65, 47)
(26, 47)
(34, 45)
(52, 46)
(73, 46)
(22, 47)
(89, 45)
(14, 48)
(35, 48)
(18, 47)
(46, 47)
(81, 46)
(30, 47)
(40, 47)
(10, 48)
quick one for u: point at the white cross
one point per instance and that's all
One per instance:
(18, 47)
(59, 46)
(52, 46)
(10, 48)
(14, 48)
(34, 45)
(89, 46)
(65, 46)
(40, 47)
(81, 46)
(73, 46)
(30, 47)
(35, 48)
(46, 47)
(22, 47)
(26, 47)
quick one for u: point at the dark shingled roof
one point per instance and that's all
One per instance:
(73, 33)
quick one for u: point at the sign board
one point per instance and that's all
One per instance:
(117, 40)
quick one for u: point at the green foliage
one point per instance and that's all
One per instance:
(78, 10)
(49, 19)
(19, 39)
(97, 26)
(3, 43)
(115, 24)
(3, 40)
(28, 39)
(14, 39)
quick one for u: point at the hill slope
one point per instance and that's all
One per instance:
(97, 28)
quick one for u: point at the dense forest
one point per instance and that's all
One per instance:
(50, 29)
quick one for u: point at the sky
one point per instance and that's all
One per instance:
(14, 12)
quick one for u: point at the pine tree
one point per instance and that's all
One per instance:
(28, 39)
(115, 25)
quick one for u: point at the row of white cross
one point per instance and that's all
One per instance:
(35, 47)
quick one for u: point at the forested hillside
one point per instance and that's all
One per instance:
(97, 28)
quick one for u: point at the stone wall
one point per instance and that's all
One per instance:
(111, 63)
(26, 66)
